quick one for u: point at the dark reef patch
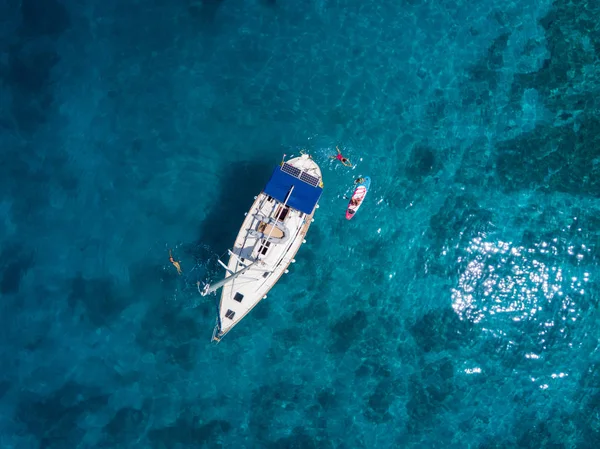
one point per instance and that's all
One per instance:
(442, 330)
(53, 419)
(270, 404)
(561, 156)
(348, 330)
(482, 79)
(430, 392)
(477, 167)
(190, 431)
(204, 10)
(300, 439)
(26, 69)
(458, 221)
(4, 387)
(380, 400)
(553, 159)
(127, 425)
(99, 298)
(563, 80)
(44, 17)
(460, 217)
(170, 329)
(486, 70)
(421, 162)
(15, 264)
(269, 401)
(532, 433)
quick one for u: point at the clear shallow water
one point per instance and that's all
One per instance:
(458, 309)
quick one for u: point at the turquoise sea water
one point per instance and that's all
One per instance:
(458, 309)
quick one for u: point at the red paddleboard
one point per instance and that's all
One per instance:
(358, 196)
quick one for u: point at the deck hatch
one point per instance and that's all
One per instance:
(264, 247)
(230, 314)
(238, 297)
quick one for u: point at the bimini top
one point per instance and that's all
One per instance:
(304, 196)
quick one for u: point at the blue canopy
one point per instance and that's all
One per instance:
(304, 197)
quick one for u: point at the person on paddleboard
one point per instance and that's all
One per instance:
(356, 181)
(341, 158)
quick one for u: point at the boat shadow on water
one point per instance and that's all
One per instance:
(240, 183)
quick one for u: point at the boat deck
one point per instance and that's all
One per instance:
(242, 294)
(268, 229)
(269, 238)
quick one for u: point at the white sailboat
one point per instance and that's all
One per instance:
(270, 237)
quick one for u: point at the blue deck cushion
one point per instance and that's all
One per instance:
(304, 197)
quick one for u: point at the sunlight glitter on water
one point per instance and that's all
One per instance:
(502, 280)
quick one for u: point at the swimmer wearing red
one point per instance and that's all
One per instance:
(341, 158)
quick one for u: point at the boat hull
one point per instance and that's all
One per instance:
(269, 239)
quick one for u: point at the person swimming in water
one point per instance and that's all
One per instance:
(341, 158)
(175, 263)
